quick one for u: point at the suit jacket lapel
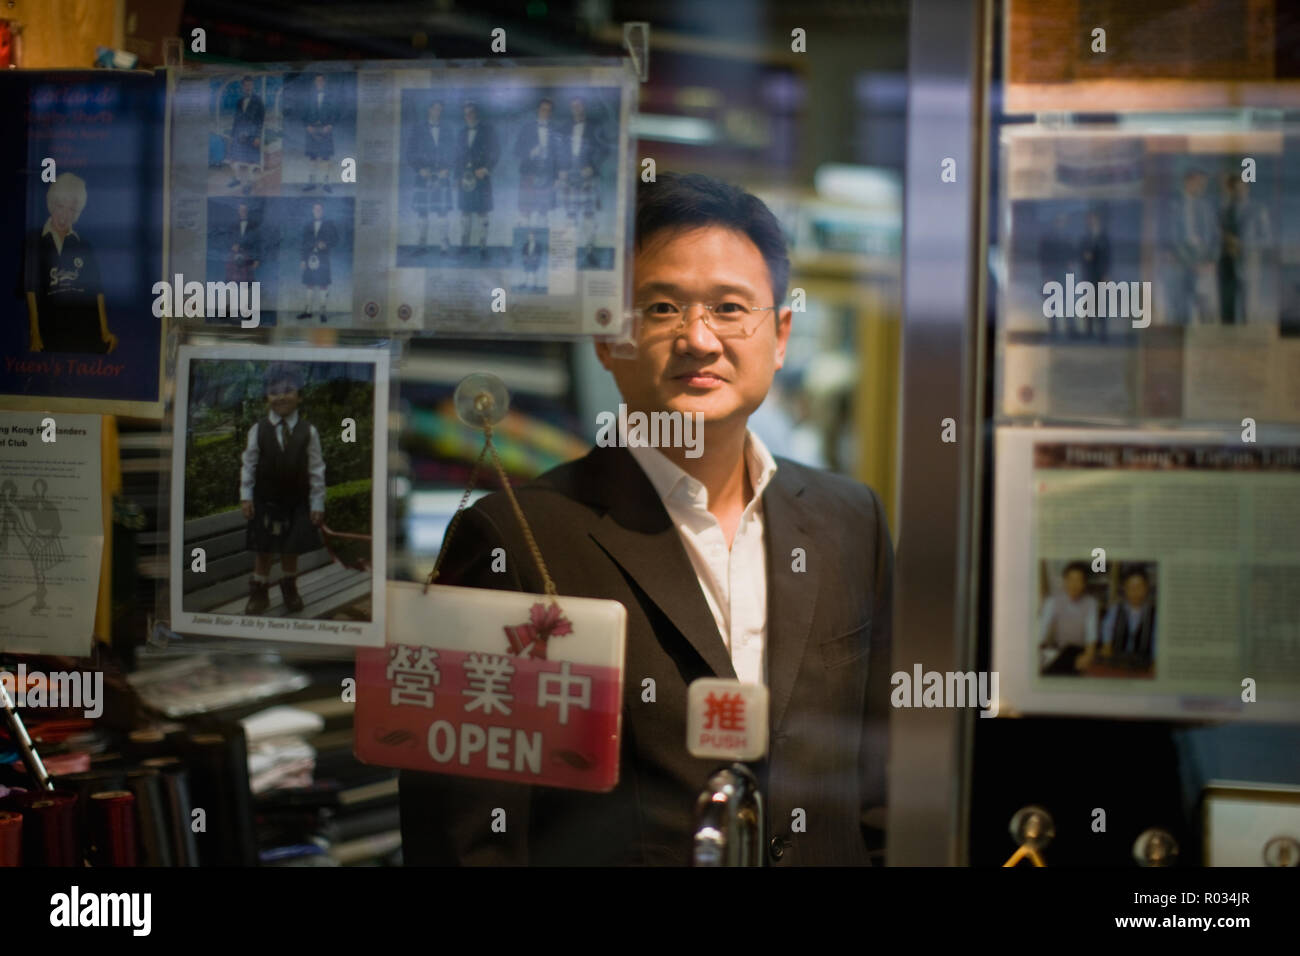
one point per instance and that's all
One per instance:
(638, 534)
(791, 595)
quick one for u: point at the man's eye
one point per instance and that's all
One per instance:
(662, 309)
(730, 309)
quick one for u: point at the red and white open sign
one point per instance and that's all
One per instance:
(725, 718)
(495, 684)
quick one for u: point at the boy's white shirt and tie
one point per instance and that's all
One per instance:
(734, 581)
(315, 459)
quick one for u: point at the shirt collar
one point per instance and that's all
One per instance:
(291, 420)
(49, 231)
(668, 477)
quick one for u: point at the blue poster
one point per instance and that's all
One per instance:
(78, 332)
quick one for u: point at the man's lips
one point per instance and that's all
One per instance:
(699, 378)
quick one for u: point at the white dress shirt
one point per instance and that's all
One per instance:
(575, 139)
(315, 460)
(734, 581)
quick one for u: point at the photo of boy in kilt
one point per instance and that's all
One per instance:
(431, 151)
(281, 489)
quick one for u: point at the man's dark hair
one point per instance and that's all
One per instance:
(1080, 566)
(1136, 572)
(545, 101)
(682, 201)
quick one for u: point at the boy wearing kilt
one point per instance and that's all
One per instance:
(281, 489)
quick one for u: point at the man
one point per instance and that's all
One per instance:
(1193, 243)
(246, 137)
(319, 116)
(1128, 634)
(431, 151)
(244, 257)
(539, 157)
(478, 154)
(65, 295)
(1094, 256)
(1256, 277)
(318, 239)
(731, 564)
(1067, 625)
(1055, 259)
(579, 165)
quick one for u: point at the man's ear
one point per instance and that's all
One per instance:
(784, 318)
(603, 354)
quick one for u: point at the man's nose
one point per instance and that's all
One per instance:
(699, 337)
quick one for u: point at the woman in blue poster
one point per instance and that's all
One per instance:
(65, 297)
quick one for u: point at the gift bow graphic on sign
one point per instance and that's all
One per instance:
(544, 623)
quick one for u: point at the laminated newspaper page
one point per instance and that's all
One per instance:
(1148, 573)
(1143, 275)
(466, 197)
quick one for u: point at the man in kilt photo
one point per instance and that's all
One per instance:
(318, 237)
(245, 249)
(246, 137)
(431, 151)
(539, 156)
(579, 179)
(281, 489)
(320, 114)
(477, 153)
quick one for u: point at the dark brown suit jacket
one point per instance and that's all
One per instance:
(604, 533)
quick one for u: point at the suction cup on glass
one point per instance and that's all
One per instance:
(481, 399)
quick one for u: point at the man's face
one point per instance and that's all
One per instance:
(320, 84)
(63, 213)
(579, 111)
(1195, 184)
(1074, 584)
(317, 210)
(246, 87)
(283, 398)
(692, 370)
(544, 112)
(243, 211)
(471, 116)
(1135, 591)
(435, 112)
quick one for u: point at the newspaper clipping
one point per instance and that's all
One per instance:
(1154, 574)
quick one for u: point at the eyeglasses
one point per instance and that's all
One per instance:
(726, 320)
